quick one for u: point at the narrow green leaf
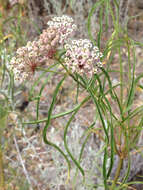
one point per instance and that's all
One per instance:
(48, 123)
(97, 4)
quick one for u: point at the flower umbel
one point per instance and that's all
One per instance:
(42, 51)
(25, 61)
(82, 57)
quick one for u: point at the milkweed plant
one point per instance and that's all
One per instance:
(119, 117)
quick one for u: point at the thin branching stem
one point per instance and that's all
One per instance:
(120, 163)
(22, 163)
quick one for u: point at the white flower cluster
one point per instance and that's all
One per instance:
(13, 2)
(34, 54)
(64, 25)
(42, 51)
(24, 63)
(82, 57)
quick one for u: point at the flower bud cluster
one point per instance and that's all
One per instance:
(40, 52)
(82, 57)
(64, 25)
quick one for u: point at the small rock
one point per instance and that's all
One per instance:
(135, 25)
(139, 4)
(62, 187)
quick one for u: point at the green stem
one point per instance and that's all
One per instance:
(2, 186)
(117, 174)
(129, 62)
(121, 77)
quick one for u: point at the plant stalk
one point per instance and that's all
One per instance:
(2, 185)
(117, 174)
